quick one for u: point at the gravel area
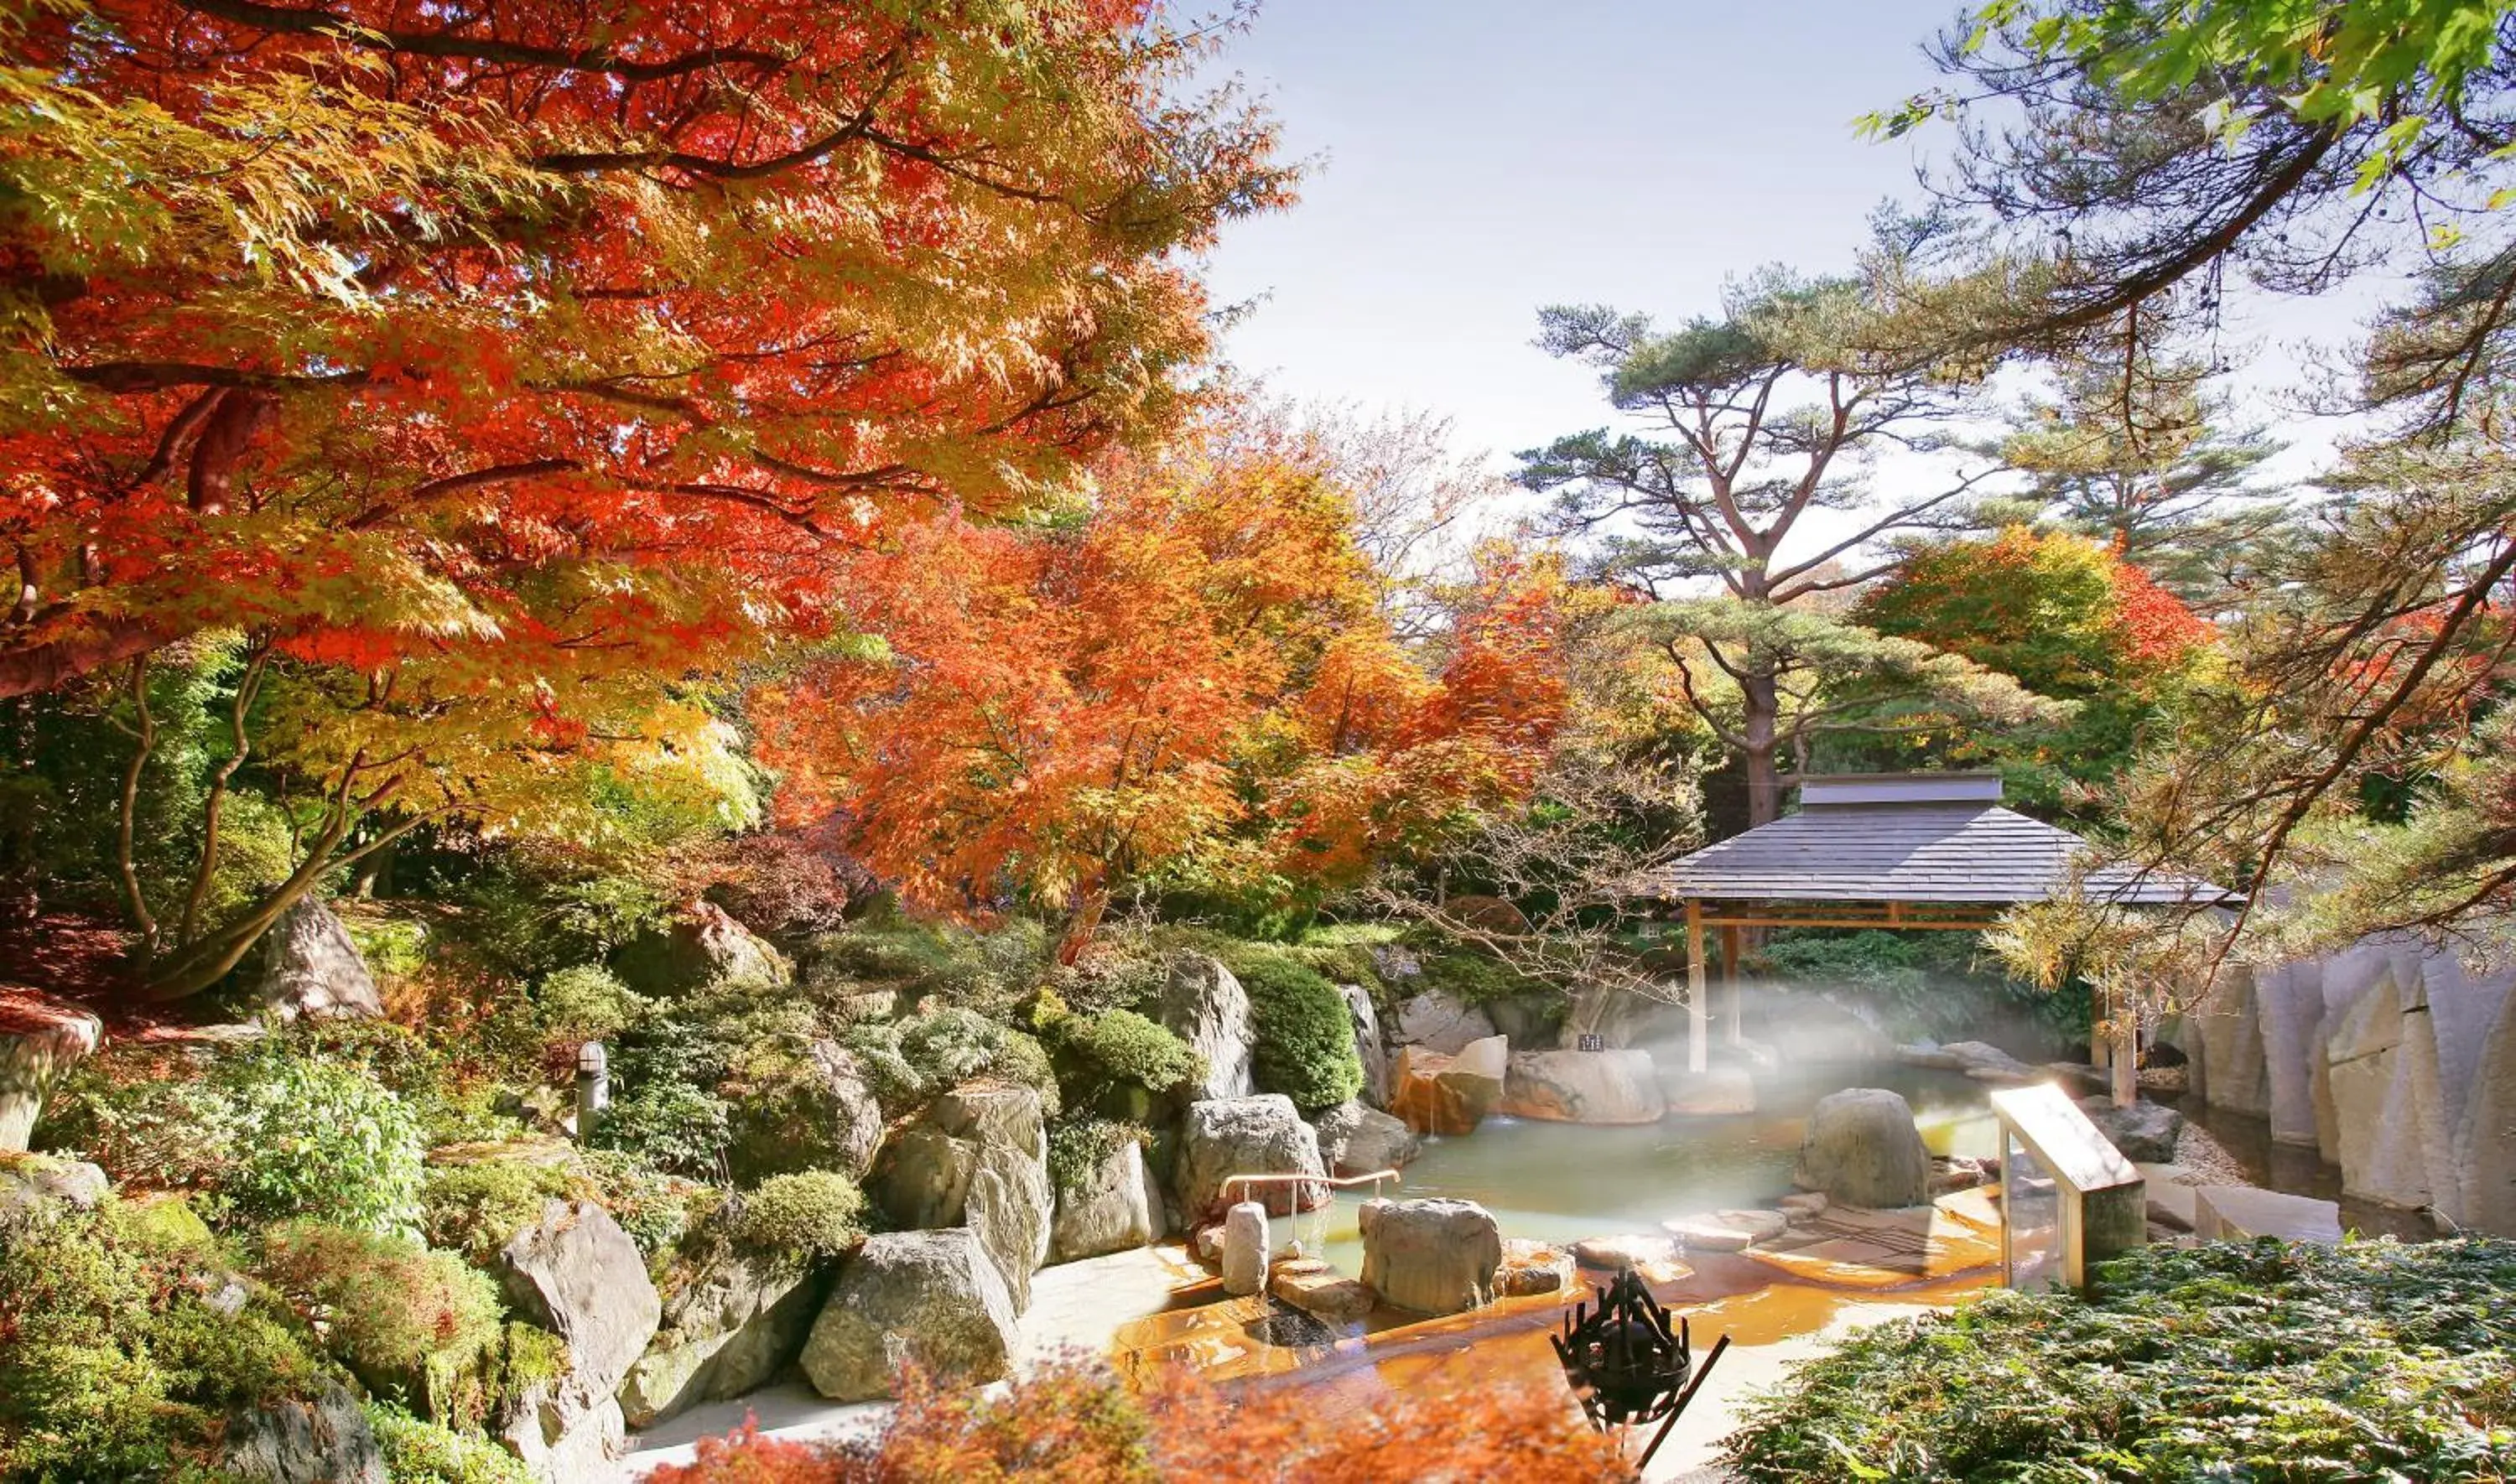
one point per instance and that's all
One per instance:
(2208, 1163)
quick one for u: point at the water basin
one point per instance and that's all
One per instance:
(1561, 1182)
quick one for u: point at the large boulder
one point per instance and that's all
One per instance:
(2224, 1042)
(1396, 965)
(930, 1298)
(311, 967)
(702, 947)
(1369, 1047)
(321, 1439)
(1263, 1134)
(1204, 1006)
(2384, 1075)
(1862, 1148)
(738, 1322)
(1116, 1206)
(1437, 1094)
(2145, 1132)
(1354, 1139)
(2485, 1135)
(40, 1039)
(978, 1157)
(36, 1187)
(1984, 1062)
(1438, 1022)
(575, 1273)
(801, 1107)
(1583, 1087)
(563, 1438)
(1430, 1257)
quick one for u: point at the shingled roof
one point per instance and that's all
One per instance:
(1906, 838)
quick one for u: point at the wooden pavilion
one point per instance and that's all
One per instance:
(1888, 851)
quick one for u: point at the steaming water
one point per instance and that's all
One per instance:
(1561, 1182)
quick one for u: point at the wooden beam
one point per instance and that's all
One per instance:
(1699, 1056)
(1908, 925)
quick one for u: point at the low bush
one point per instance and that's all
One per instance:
(912, 1061)
(670, 1125)
(408, 1321)
(454, 1087)
(476, 1209)
(266, 1134)
(2305, 1365)
(1302, 1032)
(814, 1214)
(421, 1452)
(123, 1351)
(787, 1115)
(1074, 1421)
(1122, 1045)
(586, 1002)
(392, 947)
(1079, 1145)
(987, 972)
(657, 1209)
(1469, 976)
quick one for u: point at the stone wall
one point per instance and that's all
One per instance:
(2392, 1059)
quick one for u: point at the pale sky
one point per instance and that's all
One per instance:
(1480, 160)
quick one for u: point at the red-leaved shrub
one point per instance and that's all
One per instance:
(1077, 1423)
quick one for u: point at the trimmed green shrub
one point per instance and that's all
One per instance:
(476, 1209)
(1122, 1046)
(122, 1352)
(586, 1002)
(265, 1135)
(421, 1452)
(814, 1214)
(408, 1321)
(1303, 1034)
(2305, 1365)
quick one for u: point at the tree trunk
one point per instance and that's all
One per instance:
(1082, 919)
(1761, 716)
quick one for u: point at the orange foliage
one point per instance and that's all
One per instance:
(561, 334)
(1075, 1425)
(1194, 675)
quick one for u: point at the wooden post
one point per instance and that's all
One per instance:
(1730, 936)
(2100, 1046)
(2126, 1066)
(1699, 1056)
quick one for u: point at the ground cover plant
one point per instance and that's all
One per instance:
(2262, 1362)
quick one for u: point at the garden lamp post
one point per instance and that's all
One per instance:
(592, 1087)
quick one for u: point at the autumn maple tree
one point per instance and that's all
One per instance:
(497, 372)
(1190, 677)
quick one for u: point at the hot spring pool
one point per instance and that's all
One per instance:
(1560, 1182)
